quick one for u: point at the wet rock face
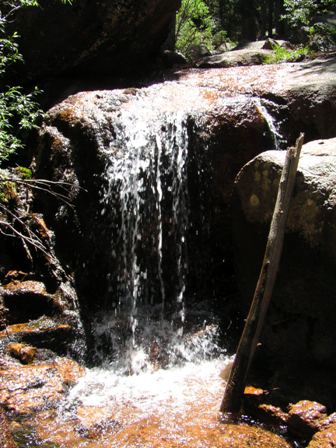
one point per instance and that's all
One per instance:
(93, 37)
(38, 386)
(300, 327)
(37, 295)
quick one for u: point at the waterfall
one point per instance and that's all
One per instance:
(146, 203)
(273, 125)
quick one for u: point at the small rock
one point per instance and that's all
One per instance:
(268, 413)
(29, 286)
(43, 333)
(325, 438)
(306, 417)
(24, 353)
(69, 370)
(16, 275)
(244, 436)
(173, 58)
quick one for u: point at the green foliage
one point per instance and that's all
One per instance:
(281, 54)
(303, 12)
(24, 172)
(309, 17)
(194, 26)
(19, 110)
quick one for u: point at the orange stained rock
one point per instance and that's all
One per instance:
(29, 389)
(325, 438)
(251, 390)
(26, 286)
(33, 327)
(70, 371)
(24, 353)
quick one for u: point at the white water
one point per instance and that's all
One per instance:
(151, 388)
(145, 202)
(272, 123)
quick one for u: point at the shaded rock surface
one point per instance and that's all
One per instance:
(34, 287)
(92, 37)
(300, 327)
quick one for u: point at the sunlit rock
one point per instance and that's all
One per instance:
(235, 58)
(42, 333)
(27, 389)
(305, 417)
(325, 438)
(300, 328)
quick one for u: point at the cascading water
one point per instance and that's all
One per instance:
(145, 203)
(262, 105)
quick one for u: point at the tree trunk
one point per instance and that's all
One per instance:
(248, 14)
(278, 22)
(270, 23)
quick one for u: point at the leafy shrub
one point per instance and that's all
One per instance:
(194, 26)
(281, 54)
(19, 110)
(310, 17)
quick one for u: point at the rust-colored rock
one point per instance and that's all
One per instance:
(24, 353)
(42, 333)
(69, 370)
(26, 300)
(325, 438)
(305, 417)
(28, 286)
(258, 404)
(27, 389)
(35, 327)
(244, 436)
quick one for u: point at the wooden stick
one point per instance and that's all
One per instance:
(233, 396)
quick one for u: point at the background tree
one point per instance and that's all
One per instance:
(306, 22)
(312, 21)
(194, 26)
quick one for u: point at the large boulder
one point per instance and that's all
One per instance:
(300, 329)
(92, 37)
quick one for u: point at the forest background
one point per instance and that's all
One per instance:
(221, 24)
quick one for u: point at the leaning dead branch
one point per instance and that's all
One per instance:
(233, 396)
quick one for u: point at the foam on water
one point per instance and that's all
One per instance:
(193, 366)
